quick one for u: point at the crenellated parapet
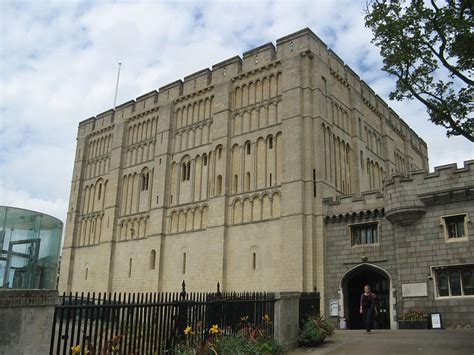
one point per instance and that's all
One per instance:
(350, 207)
(407, 197)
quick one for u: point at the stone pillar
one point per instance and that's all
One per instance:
(26, 318)
(286, 325)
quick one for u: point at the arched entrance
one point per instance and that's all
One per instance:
(352, 285)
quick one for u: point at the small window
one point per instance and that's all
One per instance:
(454, 281)
(153, 259)
(362, 234)
(145, 181)
(270, 143)
(219, 185)
(186, 170)
(86, 274)
(254, 261)
(204, 160)
(219, 153)
(247, 181)
(184, 263)
(454, 226)
(99, 194)
(130, 267)
(247, 148)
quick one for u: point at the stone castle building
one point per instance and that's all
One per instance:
(248, 175)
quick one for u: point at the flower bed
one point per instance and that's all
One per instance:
(414, 318)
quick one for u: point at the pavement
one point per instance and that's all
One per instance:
(388, 342)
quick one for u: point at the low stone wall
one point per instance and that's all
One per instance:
(26, 317)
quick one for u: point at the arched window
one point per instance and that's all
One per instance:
(188, 176)
(254, 261)
(152, 259)
(184, 263)
(219, 153)
(130, 267)
(247, 181)
(99, 194)
(204, 159)
(145, 180)
(270, 142)
(184, 168)
(247, 148)
(86, 274)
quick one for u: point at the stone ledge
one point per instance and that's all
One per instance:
(28, 298)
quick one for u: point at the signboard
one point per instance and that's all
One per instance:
(334, 307)
(415, 290)
(436, 321)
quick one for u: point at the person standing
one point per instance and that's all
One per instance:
(367, 307)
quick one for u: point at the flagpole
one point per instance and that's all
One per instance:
(116, 86)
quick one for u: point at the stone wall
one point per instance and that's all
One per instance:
(26, 318)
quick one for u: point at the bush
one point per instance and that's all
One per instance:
(314, 332)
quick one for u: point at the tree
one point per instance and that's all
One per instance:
(429, 47)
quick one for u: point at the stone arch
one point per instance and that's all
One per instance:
(266, 207)
(256, 208)
(237, 212)
(205, 216)
(247, 210)
(371, 274)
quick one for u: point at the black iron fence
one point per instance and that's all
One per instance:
(309, 305)
(152, 323)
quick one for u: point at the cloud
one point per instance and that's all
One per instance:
(59, 61)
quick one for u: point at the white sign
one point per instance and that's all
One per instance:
(415, 290)
(334, 307)
(436, 320)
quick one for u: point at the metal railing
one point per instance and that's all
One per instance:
(151, 323)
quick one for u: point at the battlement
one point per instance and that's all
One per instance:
(367, 204)
(439, 175)
(254, 60)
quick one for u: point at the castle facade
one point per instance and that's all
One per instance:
(238, 174)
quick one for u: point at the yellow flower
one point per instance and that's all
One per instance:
(266, 318)
(187, 330)
(76, 349)
(214, 329)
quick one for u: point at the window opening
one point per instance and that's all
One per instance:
(254, 261)
(364, 234)
(130, 267)
(184, 263)
(455, 281)
(152, 259)
(455, 226)
(270, 143)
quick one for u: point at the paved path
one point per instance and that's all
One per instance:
(387, 342)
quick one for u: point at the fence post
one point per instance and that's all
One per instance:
(286, 324)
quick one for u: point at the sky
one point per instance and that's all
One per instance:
(58, 66)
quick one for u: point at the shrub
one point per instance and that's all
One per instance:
(315, 330)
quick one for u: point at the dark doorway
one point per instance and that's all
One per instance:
(353, 285)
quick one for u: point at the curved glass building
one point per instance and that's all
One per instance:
(30, 243)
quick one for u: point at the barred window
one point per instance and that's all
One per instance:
(362, 234)
(455, 281)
